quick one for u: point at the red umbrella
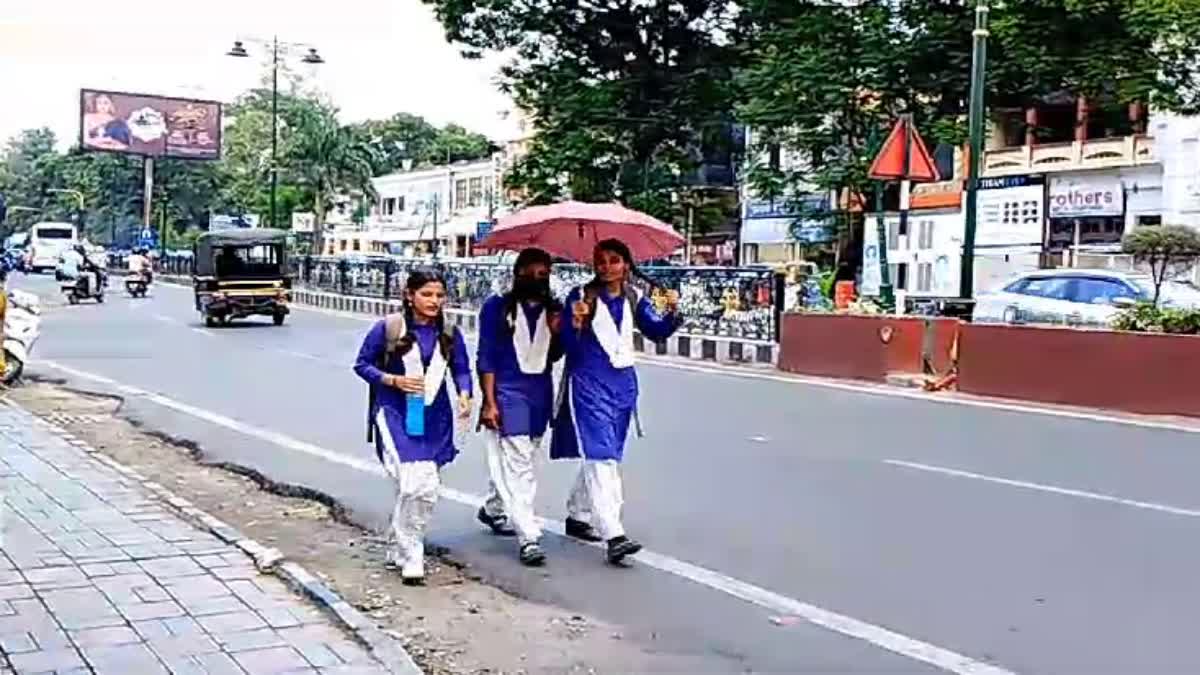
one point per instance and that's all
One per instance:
(572, 229)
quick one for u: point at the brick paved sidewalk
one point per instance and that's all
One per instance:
(96, 575)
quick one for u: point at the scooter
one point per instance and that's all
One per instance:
(136, 284)
(22, 322)
(81, 288)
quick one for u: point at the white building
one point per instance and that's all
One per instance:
(449, 204)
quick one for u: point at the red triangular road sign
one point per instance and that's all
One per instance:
(889, 163)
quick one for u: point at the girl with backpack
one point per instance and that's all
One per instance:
(407, 359)
(600, 391)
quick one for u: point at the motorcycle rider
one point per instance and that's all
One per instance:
(85, 265)
(138, 263)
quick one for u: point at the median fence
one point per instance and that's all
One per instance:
(731, 314)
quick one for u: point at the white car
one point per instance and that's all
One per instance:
(1076, 297)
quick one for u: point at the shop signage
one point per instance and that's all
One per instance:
(1085, 196)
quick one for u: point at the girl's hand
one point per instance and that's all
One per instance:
(579, 313)
(489, 416)
(464, 406)
(672, 301)
(408, 385)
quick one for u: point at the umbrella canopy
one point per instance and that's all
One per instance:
(572, 230)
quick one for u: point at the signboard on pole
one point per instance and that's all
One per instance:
(148, 125)
(218, 222)
(304, 223)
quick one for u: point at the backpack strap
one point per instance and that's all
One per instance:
(394, 329)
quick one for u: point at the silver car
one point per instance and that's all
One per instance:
(1076, 297)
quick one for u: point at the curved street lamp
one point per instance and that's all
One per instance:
(310, 57)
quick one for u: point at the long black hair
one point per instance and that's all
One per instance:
(514, 296)
(620, 248)
(418, 278)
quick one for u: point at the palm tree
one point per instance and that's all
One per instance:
(329, 158)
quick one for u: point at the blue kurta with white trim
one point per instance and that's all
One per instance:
(525, 399)
(600, 399)
(437, 444)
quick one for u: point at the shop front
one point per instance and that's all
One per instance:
(1097, 208)
(781, 231)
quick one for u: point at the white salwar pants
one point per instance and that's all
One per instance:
(513, 484)
(417, 486)
(596, 498)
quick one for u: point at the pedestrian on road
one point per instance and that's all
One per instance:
(518, 346)
(600, 391)
(406, 359)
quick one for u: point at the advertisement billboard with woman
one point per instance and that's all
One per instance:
(155, 126)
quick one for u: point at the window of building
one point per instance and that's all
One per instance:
(342, 244)
(924, 277)
(460, 193)
(925, 234)
(750, 252)
(389, 206)
(357, 245)
(476, 188)
(899, 273)
(1149, 220)
(400, 204)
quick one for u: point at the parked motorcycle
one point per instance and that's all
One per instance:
(89, 285)
(136, 284)
(22, 322)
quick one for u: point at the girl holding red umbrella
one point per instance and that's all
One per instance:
(600, 391)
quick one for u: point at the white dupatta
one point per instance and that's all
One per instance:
(532, 351)
(616, 342)
(434, 376)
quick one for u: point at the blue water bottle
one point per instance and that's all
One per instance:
(414, 416)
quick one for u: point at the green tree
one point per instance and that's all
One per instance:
(404, 137)
(1165, 249)
(623, 92)
(328, 158)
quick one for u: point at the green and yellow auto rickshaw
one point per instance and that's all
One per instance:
(241, 273)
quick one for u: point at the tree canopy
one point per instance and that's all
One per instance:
(625, 95)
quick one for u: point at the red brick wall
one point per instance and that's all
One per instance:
(834, 345)
(1134, 372)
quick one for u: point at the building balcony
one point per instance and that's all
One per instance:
(1099, 153)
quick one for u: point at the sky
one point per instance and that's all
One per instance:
(382, 57)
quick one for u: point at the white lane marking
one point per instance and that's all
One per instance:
(1042, 487)
(838, 623)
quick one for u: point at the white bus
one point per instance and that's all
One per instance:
(47, 241)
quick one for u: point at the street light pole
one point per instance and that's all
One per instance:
(975, 122)
(274, 123)
(312, 58)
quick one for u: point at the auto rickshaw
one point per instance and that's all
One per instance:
(240, 273)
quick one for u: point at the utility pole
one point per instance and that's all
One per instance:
(274, 123)
(975, 122)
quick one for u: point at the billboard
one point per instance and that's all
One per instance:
(156, 126)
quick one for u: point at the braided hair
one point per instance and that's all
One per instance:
(417, 279)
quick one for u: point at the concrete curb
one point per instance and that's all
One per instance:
(268, 560)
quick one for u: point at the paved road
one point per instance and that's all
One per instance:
(1032, 542)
